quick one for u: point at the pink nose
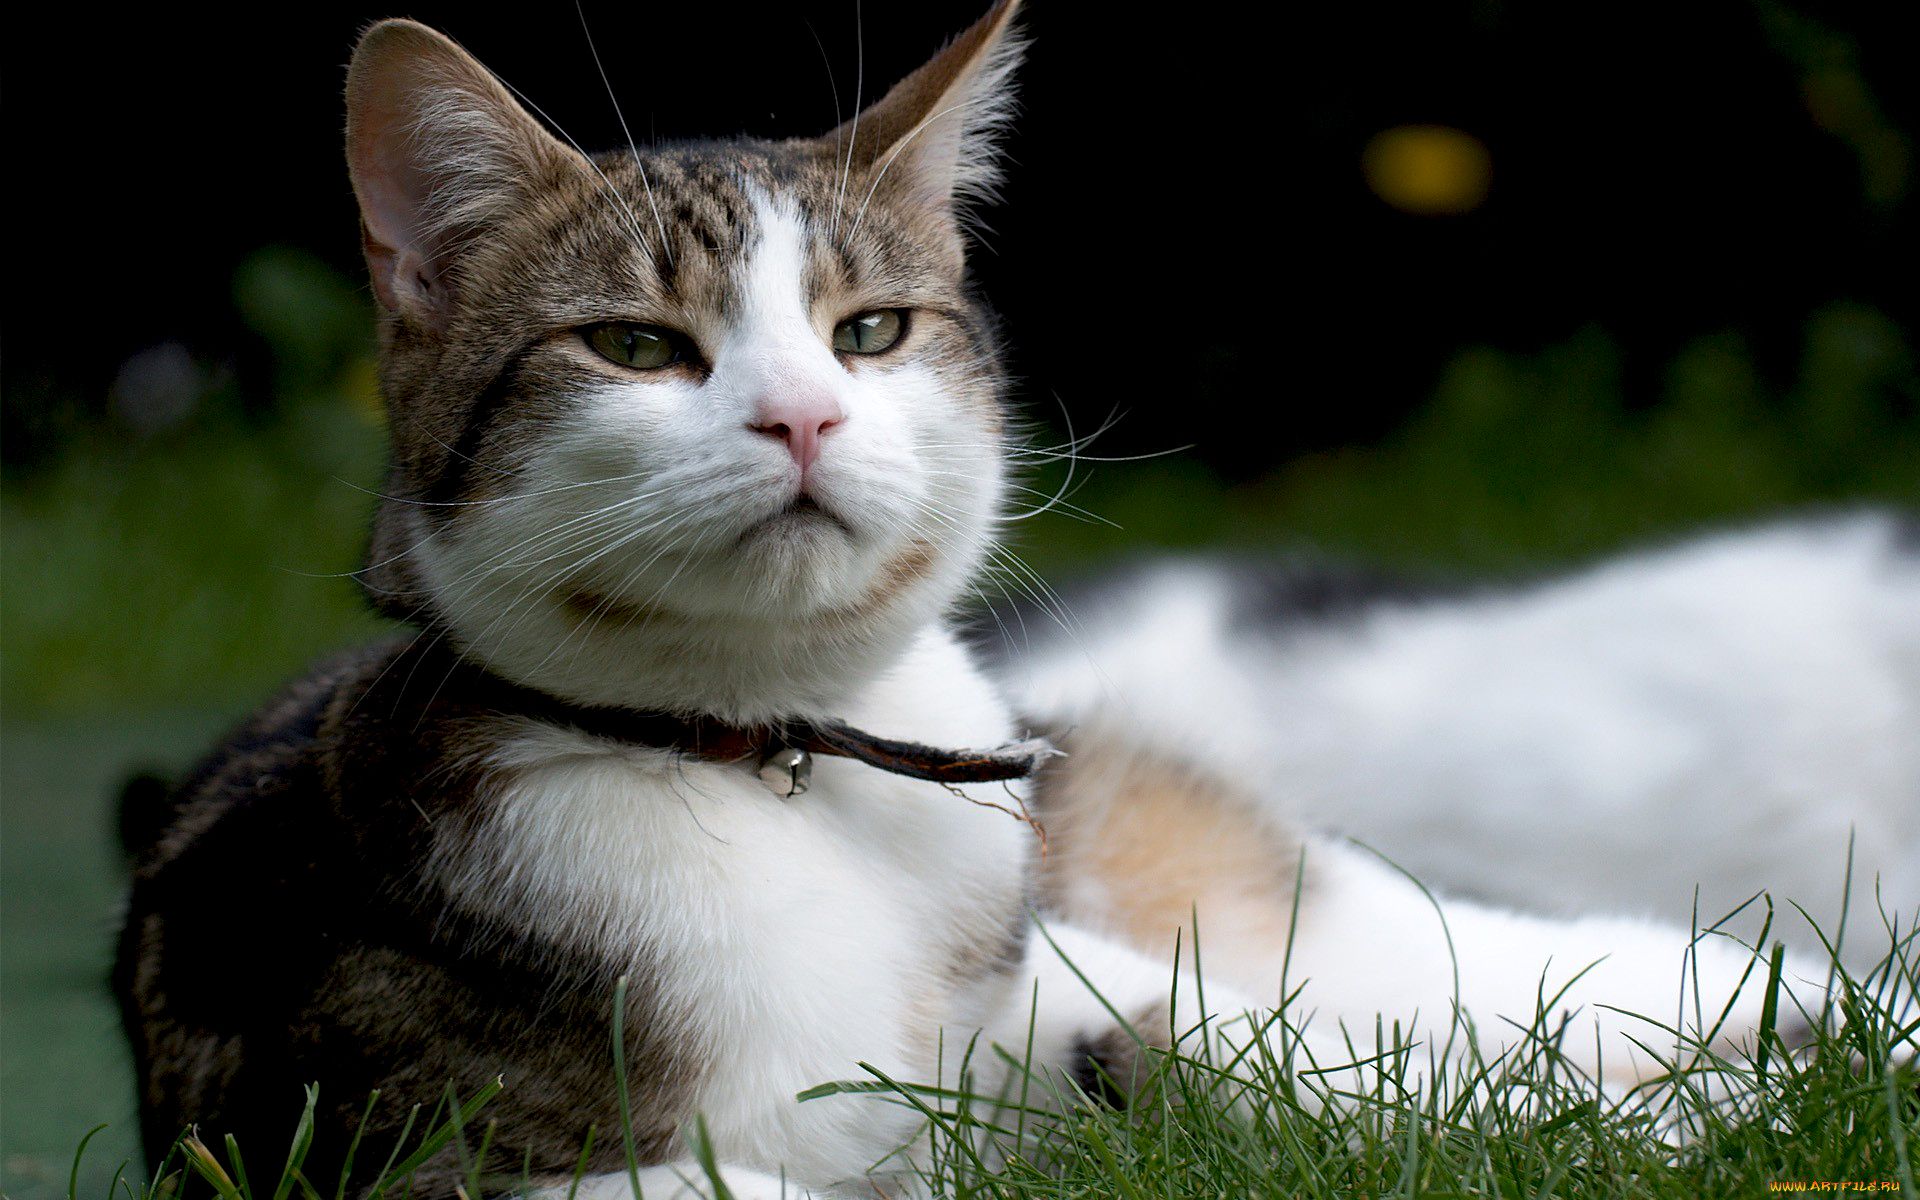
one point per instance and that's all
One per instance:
(799, 421)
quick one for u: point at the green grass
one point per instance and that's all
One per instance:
(1270, 1122)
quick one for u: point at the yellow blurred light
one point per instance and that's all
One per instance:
(1430, 170)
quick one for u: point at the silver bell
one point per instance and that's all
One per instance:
(787, 771)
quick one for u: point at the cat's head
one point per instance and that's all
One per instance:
(705, 427)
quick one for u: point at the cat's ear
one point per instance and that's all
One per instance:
(937, 132)
(438, 149)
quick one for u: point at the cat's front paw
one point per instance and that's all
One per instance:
(679, 1181)
(1663, 1007)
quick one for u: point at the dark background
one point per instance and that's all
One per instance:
(1186, 208)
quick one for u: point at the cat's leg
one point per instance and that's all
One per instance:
(1096, 1011)
(1088, 1006)
(1621, 997)
(1145, 842)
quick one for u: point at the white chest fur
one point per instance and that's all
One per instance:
(796, 938)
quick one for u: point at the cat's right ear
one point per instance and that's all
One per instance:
(935, 135)
(438, 150)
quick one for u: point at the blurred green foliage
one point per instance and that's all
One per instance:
(1520, 461)
(197, 565)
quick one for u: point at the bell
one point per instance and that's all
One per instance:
(787, 771)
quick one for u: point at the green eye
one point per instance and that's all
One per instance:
(870, 332)
(642, 347)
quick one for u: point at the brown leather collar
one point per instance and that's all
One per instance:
(710, 738)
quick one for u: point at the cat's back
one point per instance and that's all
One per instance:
(228, 907)
(273, 752)
(1760, 686)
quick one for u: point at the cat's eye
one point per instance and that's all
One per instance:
(642, 347)
(870, 332)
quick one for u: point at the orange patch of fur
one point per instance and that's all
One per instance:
(899, 573)
(591, 608)
(1141, 843)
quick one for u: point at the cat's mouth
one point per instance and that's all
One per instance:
(802, 515)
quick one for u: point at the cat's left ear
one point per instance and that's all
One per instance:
(440, 152)
(936, 134)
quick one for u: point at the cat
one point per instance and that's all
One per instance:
(694, 451)
(1668, 733)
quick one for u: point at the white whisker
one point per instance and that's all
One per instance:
(853, 134)
(666, 244)
(619, 201)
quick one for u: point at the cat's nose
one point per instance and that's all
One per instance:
(799, 421)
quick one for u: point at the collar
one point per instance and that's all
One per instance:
(782, 752)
